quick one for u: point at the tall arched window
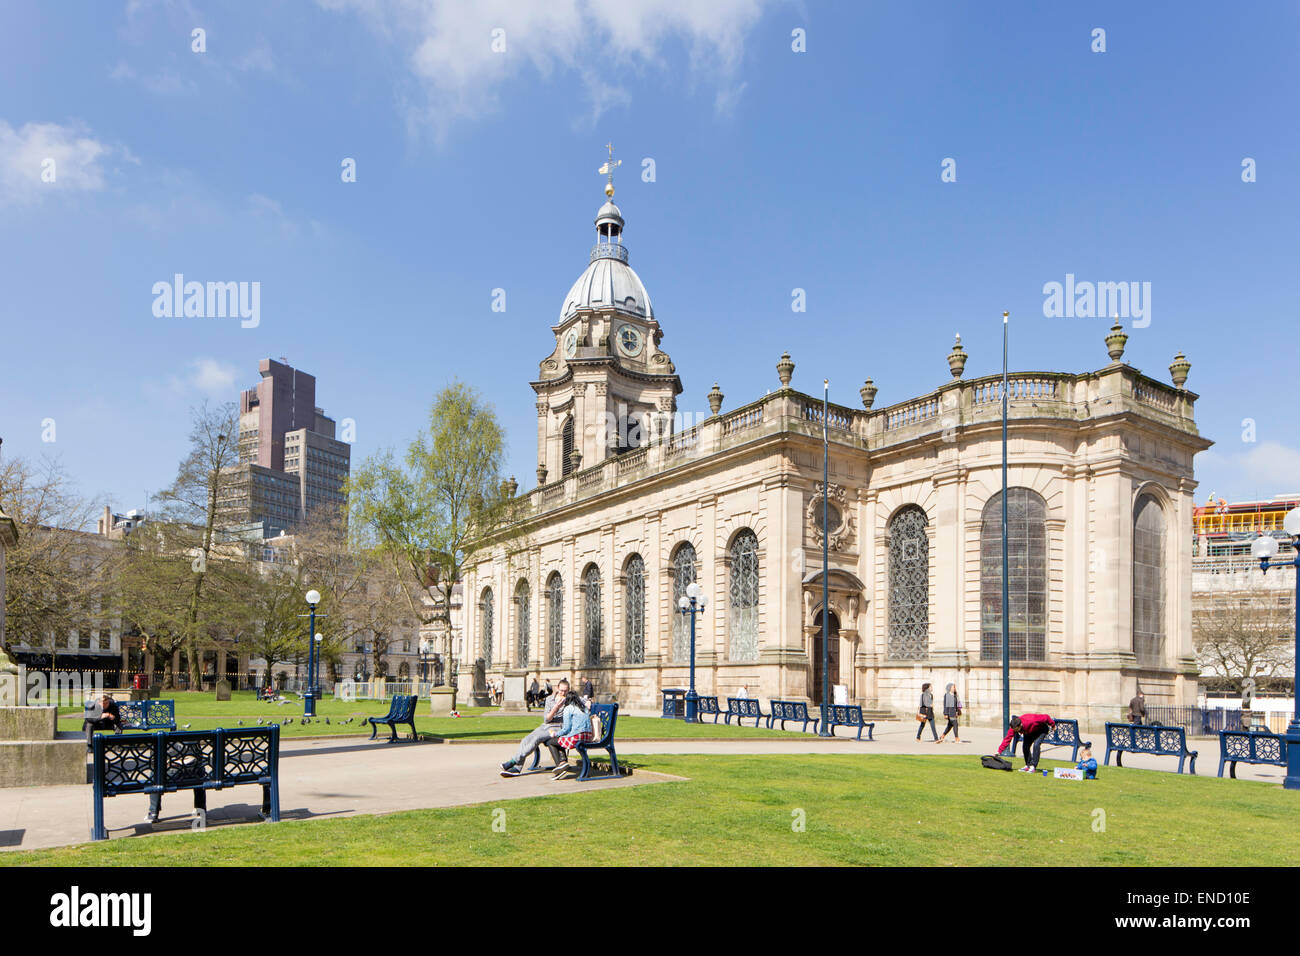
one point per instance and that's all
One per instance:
(486, 625)
(1149, 581)
(742, 623)
(1026, 576)
(555, 620)
(909, 586)
(522, 627)
(592, 621)
(634, 610)
(683, 576)
(566, 446)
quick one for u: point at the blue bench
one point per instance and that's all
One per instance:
(1064, 734)
(1152, 739)
(742, 707)
(708, 705)
(784, 710)
(850, 715)
(198, 760)
(400, 711)
(1249, 746)
(148, 714)
(608, 714)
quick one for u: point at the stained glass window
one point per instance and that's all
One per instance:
(742, 624)
(522, 595)
(909, 586)
(683, 577)
(634, 610)
(591, 614)
(488, 623)
(1026, 576)
(555, 621)
(1149, 581)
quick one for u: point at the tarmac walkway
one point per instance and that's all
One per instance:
(326, 778)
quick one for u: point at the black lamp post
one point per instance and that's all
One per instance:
(1264, 548)
(693, 603)
(309, 698)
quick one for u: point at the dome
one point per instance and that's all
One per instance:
(608, 283)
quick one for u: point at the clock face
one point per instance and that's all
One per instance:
(629, 341)
(571, 343)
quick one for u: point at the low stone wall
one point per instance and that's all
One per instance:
(28, 723)
(43, 763)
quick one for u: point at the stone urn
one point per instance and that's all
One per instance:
(957, 359)
(868, 393)
(541, 475)
(785, 369)
(1116, 340)
(715, 397)
(1179, 369)
(575, 458)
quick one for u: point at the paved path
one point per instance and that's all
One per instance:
(326, 778)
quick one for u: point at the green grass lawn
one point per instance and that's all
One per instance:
(202, 712)
(741, 810)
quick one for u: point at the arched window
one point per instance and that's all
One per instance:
(634, 610)
(1149, 581)
(1026, 576)
(566, 447)
(683, 576)
(487, 625)
(742, 624)
(909, 586)
(594, 625)
(555, 620)
(522, 626)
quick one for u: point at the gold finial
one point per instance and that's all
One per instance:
(607, 169)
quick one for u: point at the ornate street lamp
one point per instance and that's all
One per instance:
(424, 659)
(309, 699)
(1264, 548)
(694, 602)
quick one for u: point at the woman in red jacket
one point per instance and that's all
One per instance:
(1032, 729)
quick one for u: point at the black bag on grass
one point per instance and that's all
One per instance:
(995, 763)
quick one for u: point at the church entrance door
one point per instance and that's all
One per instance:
(834, 631)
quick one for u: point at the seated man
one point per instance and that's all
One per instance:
(550, 728)
(109, 718)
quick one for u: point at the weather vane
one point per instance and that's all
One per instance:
(607, 169)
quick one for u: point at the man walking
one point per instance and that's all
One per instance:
(552, 719)
(1137, 708)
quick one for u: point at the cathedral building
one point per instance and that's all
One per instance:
(631, 507)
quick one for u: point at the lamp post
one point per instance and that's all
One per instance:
(309, 698)
(1264, 548)
(1006, 621)
(693, 603)
(424, 659)
(825, 730)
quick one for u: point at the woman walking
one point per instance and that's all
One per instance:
(951, 710)
(926, 713)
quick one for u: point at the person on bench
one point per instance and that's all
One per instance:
(1032, 729)
(109, 718)
(545, 734)
(575, 730)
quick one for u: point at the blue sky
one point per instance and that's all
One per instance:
(775, 170)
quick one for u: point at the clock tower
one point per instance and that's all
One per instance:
(607, 388)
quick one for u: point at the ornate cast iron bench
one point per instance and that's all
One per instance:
(148, 714)
(1152, 739)
(708, 705)
(1246, 746)
(608, 714)
(850, 715)
(400, 711)
(198, 760)
(784, 710)
(1064, 734)
(742, 707)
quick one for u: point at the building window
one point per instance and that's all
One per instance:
(1026, 576)
(1149, 581)
(742, 623)
(909, 586)
(592, 621)
(521, 624)
(634, 610)
(566, 447)
(555, 621)
(487, 625)
(683, 576)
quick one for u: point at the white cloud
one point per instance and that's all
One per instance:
(1265, 470)
(207, 377)
(39, 159)
(164, 82)
(451, 55)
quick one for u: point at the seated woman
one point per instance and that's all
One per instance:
(576, 729)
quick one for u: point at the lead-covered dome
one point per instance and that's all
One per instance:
(608, 281)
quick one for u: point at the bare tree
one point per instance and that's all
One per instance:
(1245, 636)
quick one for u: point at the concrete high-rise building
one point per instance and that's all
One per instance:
(290, 463)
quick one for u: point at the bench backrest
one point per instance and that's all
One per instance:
(743, 706)
(789, 710)
(188, 759)
(708, 705)
(846, 713)
(147, 714)
(1146, 738)
(404, 707)
(608, 714)
(1252, 746)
